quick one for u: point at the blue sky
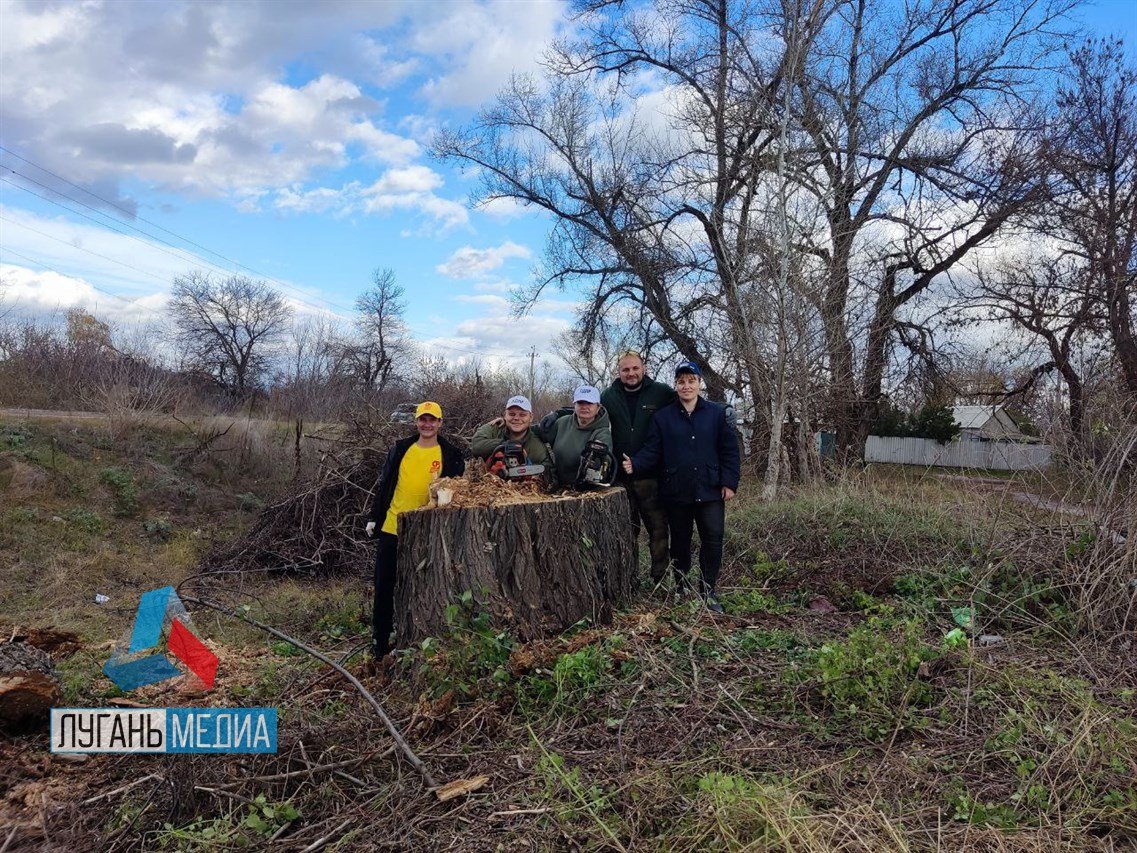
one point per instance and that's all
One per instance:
(287, 140)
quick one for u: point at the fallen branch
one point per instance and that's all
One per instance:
(119, 790)
(415, 761)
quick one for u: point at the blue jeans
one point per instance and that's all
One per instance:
(710, 518)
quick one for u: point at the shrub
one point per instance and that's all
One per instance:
(868, 680)
(123, 488)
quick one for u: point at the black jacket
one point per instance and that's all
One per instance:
(453, 465)
(697, 453)
(630, 432)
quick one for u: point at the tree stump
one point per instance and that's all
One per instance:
(536, 567)
(28, 685)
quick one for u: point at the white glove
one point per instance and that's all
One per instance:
(370, 529)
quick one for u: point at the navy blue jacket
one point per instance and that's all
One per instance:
(697, 453)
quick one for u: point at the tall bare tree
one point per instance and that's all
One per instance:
(1052, 300)
(1094, 150)
(228, 327)
(382, 332)
(909, 108)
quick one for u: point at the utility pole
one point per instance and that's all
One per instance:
(532, 373)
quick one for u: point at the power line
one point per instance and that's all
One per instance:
(133, 303)
(99, 222)
(80, 248)
(108, 202)
(152, 237)
(186, 257)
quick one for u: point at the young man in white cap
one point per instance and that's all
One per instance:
(412, 464)
(514, 425)
(692, 443)
(571, 433)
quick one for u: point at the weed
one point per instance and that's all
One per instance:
(966, 808)
(575, 679)
(158, 529)
(85, 520)
(592, 800)
(124, 489)
(754, 601)
(249, 502)
(868, 681)
(259, 820)
(471, 652)
(344, 622)
(23, 514)
(753, 639)
(14, 435)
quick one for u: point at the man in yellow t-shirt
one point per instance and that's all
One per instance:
(412, 464)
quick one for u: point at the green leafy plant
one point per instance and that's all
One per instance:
(471, 653)
(158, 528)
(123, 488)
(868, 680)
(85, 520)
(249, 502)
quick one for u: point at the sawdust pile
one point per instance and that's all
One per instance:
(474, 490)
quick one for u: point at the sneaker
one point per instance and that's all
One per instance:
(713, 604)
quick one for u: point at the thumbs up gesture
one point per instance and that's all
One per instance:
(627, 464)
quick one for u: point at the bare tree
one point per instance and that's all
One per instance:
(383, 340)
(228, 328)
(1052, 300)
(919, 117)
(1094, 153)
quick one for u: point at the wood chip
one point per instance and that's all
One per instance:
(459, 787)
(123, 702)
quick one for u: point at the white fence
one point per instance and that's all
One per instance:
(994, 455)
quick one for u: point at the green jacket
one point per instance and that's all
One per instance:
(568, 440)
(629, 433)
(488, 438)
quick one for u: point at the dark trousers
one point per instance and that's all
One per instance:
(710, 518)
(643, 498)
(382, 620)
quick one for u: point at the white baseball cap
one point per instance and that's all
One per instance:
(586, 394)
(519, 400)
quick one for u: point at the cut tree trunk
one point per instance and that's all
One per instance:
(28, 686)
(536, 568)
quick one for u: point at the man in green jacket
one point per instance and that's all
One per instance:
(515, 425)
(630, 402)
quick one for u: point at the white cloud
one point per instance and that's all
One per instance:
(504, 208)
(482, 44)
(483, 299)
(66, 263)
(410, 188)
(411, 179)
(469, 262)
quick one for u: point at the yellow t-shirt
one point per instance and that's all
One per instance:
(420, 466)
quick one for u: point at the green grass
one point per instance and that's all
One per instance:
(774, 728)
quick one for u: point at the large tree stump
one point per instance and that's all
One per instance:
(535, 567)
(28, 684)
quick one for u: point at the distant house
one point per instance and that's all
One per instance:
(987, 423)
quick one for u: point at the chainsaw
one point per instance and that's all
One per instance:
(597, 467)
(510, 462)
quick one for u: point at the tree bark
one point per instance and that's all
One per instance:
(536, 568)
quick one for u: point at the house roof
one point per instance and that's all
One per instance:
(977, 417)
